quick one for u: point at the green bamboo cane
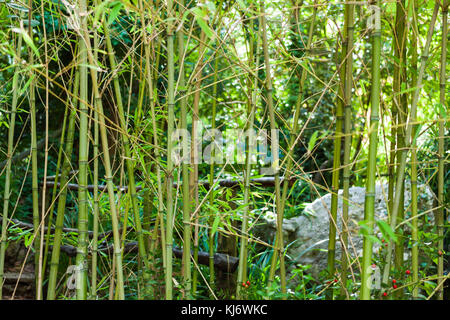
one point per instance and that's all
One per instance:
(96, 215)
(44, 185)
(279, 251)
(294, 135)
(152, 100)
(414, 193)
(408, 139)
(68, 148)
(187, 229)
(194, 175)
(253, 86)
(347, 141)
(400, 103)
(57, 171)
(337, 160)
(34, 174)
(83, 158)
(55, 186)
(147, 201)
(160, 207)
(170, 129)
(211, 174)
(369, 204)
(96, 208)
(7, 192)
(107, 165)
(441, 150)
(128, 157)
(108, 172)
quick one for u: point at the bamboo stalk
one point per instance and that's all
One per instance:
(414, 223)
(400, 103)
(441, 150)
(369, 204)
(59, 222)
(194, 154)
(152, 100)
(341, 101)
(414, 212)
(211, 174)
(95, 194)
(83, 158)
(9, 155)
(253, 88)
(44, 190)
(107, 166)
(34, 175)
(408, 139)
(294, 135)
(187, 229)
(279, 251)
(55, 186)
(128, 157)
(170, 129)
(347, 142)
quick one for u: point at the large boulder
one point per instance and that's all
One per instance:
(306, 236)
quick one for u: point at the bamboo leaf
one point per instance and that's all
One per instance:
(27, 39)
(312, 141)
(441, 110)
(199, 17)
(33, 22)
(16, 6)
(27, 84)
(215, 224)
(114, 13)
(386, 230)
(406, 91)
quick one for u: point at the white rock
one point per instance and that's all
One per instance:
(306, 236)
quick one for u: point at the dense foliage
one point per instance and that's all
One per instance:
(91, 93)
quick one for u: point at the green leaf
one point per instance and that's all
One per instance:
(441, 109)
(33, 22)
(228, 194)
(28, 239)
(199, 15)
(114, 12)
(215, 224)
(27, 84)
(386, 230)
(406, 91)
(16, 6)
(312, 141)
(373, 238)
(27, 39)
(99, 10)
(417, 133)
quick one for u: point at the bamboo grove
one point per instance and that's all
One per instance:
(115, 175)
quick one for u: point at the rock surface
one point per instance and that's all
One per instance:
(306, 236)
(19, 272)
